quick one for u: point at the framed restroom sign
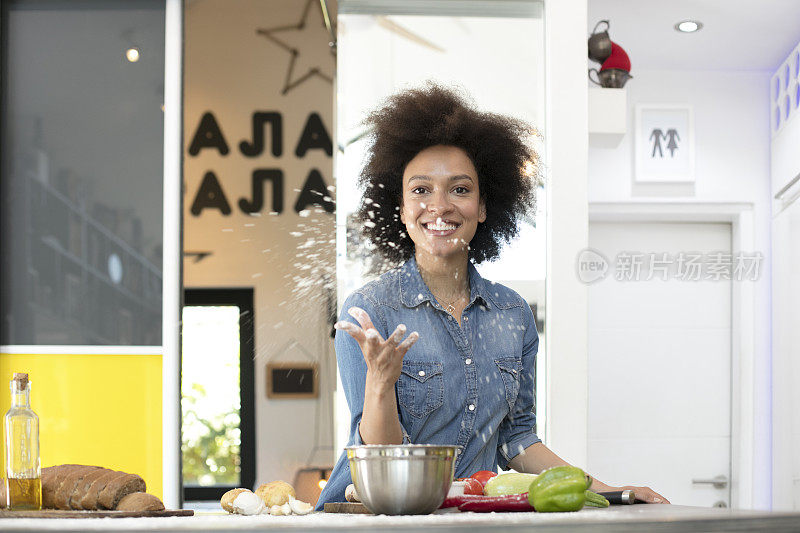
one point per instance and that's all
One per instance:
(664, 144)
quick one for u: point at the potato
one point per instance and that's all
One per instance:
(228, 497)
(275, 493)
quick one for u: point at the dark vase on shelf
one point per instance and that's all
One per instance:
(612, 78)
(600, 43)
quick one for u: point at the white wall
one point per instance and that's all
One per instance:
(565, 416)
(732, 165)
(232, 72)
(785, 110)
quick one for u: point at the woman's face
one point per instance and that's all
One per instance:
(441, 205)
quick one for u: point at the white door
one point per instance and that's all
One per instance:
(660, 360)
(786, 359)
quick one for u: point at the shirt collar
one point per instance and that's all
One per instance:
(413, 290)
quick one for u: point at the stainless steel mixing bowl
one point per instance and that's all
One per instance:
(402, 479)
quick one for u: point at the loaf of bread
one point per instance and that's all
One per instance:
(140, 501)
(84, 487)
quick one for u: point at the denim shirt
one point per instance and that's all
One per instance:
(470, 385)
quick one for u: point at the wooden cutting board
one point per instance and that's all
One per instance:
(56, 513)
(345, 507)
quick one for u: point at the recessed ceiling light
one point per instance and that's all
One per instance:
(132, 54)
(689, 26)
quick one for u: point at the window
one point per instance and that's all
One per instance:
(217, 392)
(81, 175)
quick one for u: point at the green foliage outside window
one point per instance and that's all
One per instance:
(210, 444)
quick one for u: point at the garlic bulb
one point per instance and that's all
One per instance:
(248, 503)
(280, 510)
(299, 507)
(351, 495)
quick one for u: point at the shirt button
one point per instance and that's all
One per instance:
(471, 407)
(421, 373)
(468, 361)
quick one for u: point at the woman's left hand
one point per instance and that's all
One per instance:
(643, 494)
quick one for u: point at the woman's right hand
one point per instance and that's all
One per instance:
(384, 358)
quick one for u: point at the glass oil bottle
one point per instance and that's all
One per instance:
(23, 473)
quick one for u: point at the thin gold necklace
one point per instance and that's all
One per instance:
(450, 308)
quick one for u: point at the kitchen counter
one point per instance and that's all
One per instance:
(624, 518)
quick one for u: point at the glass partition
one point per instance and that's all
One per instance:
(493, 50)
(81, 176)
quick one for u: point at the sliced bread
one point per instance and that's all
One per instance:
(67, 486)
(82, 487)
(119, 487)
(140, 501)
(89, 501)
(51, 479)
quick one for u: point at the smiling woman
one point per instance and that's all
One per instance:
(445, 185)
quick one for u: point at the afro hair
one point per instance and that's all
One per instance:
(415, 119)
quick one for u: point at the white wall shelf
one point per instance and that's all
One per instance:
(608, 116)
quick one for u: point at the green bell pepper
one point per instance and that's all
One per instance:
(559, 489)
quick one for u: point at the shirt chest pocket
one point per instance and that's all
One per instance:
(420, 388)
(510, 368)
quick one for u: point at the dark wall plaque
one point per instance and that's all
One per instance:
(292, 380)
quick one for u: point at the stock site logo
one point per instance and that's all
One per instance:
(592, 266)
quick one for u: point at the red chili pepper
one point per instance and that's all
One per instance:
(489, 504)
(455, 501)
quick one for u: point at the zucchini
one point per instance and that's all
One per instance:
(595, 500)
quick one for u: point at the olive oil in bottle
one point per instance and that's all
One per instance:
(23, 473)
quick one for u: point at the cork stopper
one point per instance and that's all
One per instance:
(21, 380)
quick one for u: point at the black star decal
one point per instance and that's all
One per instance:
(198, 256)
(314, 34)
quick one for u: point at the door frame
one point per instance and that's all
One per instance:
(244, 299)
(743, 378)
(172, 260)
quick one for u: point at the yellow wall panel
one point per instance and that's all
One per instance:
(94, 409)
